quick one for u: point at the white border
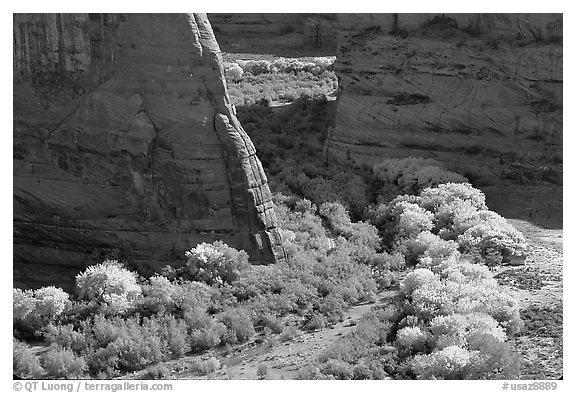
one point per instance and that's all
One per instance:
(309, 7)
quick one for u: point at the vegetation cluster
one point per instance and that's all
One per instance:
(279, 80)
(406, 225)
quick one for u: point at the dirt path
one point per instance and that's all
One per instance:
(538, 287)
(284, 360)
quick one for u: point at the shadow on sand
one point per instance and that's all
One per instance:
(540, 204)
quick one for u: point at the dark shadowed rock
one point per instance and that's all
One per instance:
(124, 138)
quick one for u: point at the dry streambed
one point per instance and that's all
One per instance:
(537, 285)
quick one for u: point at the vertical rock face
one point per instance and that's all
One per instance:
(472, 90)
(124, 138)
(287, 34)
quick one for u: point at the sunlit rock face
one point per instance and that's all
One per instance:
(480, 92)
(125, 138)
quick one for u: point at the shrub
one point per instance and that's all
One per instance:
(313, 277)
(324, 62)
(25, 364)
(458, 329)
(316, 322)
(205, 367)
(362, 372)
(234, 71)
(337, 369)
(412, 338)
(466, 273)
(239, 324)
(446, 194)
(425, 227)
(23, 303)
(371, 332)
(498, 241)
(452, 294)
(294, 66)
(67, 337)
(190, 295)
(344, 267)
(309, 372)
(289, 333)
(134, 350)
(175, 334)
(415, 280)
(430, 176)
(412, 175)
(428, 250)
(385, 268)
(157, 371)
(256, 67)
(345, 188)
(333, 307)
(63, 363)
(359, 233)
(202, 339)
(257, 280)
(105, 330)
(109, 284)
(215, 263)
(364, 353)
(129, 344)
(447, 363)
(462, 215)
(295, 296)
(203, 331)
(466, 220)
(271, 322)
(454, 218)
(337, 217)
(160, 294)
(104, 363)
(33, 310)
(279, 65)
(50, 301)
(492, 359)
(486, 358)
(411, 219)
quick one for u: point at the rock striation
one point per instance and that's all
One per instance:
(125, 140)
(480, 92)
(280, 34)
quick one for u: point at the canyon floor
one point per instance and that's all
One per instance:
(535, 210)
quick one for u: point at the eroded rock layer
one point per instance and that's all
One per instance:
(481, 92)
(280, 34)
(125, 138)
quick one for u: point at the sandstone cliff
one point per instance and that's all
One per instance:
(481, 92)
(124, 138)
(290, 35)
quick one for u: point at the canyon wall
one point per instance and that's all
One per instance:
(290, 35)
(125, 142)
(479, 92)
(125, 139)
